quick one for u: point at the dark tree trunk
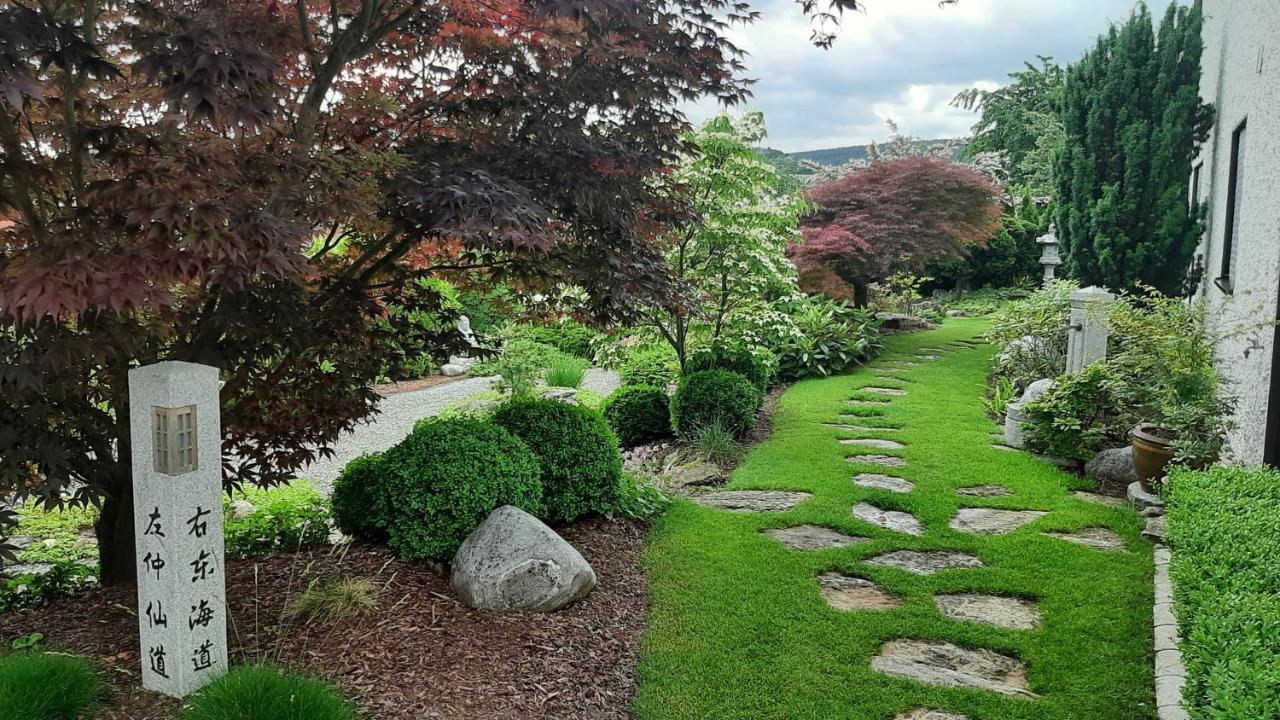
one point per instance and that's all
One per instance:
(861, 293)
(115, 536)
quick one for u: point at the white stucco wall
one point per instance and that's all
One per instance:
(1241, 79)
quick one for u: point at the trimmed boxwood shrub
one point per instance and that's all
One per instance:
(578, 454)
(654, 365)
(266, 692)
(715, 397)
(441, 482)
(44, 686)
(1224, 533)
(759, 365)
(638, 414)
(356, 503)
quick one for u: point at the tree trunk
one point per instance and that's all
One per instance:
(861, 293)
(114, 529)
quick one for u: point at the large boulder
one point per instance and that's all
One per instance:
(515, 563)
(898, 323)
(1114, 465)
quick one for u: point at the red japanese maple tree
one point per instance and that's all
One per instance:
(896, 215)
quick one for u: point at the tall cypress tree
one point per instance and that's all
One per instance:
(1133, 116)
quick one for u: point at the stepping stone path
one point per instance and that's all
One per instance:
(843, 592)
(874, 442)
(984, 491)
(930, 358)
(992, 521)
(1097, 499)
(1097, 538)
(1006, 448)
(925, 562)
(752, 500)
(902, 363)
(940, 663)
(812, 537)
(888, 519)
(996, 610)
(925, 714)
(888, 378)
(883, 482)
(865, 402)
(861, 428)
(884, 460)
(885, 391)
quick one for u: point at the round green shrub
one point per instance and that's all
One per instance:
(578, 454)
(638, 414)
(42, 686)
(715, 397)
(757, 364)
(265, 692)
(356, 503)
(442, 481)
(654, 365)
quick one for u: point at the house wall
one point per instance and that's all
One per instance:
(1241, 78)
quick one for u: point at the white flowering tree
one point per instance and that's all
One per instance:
(727, 258)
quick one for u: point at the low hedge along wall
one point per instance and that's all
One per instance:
(1224, 534)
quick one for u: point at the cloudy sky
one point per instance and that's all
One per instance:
(902, 60)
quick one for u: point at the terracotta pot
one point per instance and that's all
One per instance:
(1152, 451)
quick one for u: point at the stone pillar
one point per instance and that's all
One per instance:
(177, 488)
(1087, 332)
(1049, 258)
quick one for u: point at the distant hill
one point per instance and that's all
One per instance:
(828, 156)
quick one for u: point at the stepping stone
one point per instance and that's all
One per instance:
(902, 363)
(753, 500)
(882, 460)
(843, 592)
(812, 537)
(1097, 538)
(888, 519)
(984, 491)
(861, 428)
(885, 391)
(1155, 528)
(1097, 499)
(1006, 448)
(864, 402)
(925, 562)
(866, 411)
(996, 610)
(926, 714)
(940, 663)
(992, 521)
(874, 442)
(883, 482)
(930, 358)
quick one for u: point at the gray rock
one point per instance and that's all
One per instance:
(694, 474)
(888, 519)
(895, 392)
(1154, 528)
(1143, 500)
(992, 521)
(1036, 390)
(874, 442)
(560, 394)
(940, 663)
(1027, 345)
(995, 610)
(812, 537)
(20, 541)
(513, 562)
(896, 323)
(451, 370)
(925, 562)
(752, 500)
(955, 313)
(1114, 465)
(984, 491)
(882, 460)
(1014, 434)
(241, 509)
(843, 592)
(27, 569)
(1096, 537)
(883, 482)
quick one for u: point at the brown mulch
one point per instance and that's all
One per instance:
(410, 385)
(420, 654)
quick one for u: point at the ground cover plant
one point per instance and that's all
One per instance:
(737, 628)
(1224, 533)
(283, 518)
(36, 685)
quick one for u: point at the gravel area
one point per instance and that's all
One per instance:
(398, 412)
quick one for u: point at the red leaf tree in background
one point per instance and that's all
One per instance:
(896, 215)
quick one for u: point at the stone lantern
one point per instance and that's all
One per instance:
(1049, 254)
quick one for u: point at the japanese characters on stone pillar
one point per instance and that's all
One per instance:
(177, 485)
(1087, 332)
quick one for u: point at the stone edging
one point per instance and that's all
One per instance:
(1170, 672)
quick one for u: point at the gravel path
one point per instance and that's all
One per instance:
(400, 411)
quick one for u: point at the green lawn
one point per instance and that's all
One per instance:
(737, 628)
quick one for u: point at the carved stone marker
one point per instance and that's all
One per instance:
(176, 436)
(1087, 332)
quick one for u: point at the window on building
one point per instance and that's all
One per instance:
(1231, 230)
(1195, 184)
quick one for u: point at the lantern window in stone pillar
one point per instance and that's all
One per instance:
(1049, 255)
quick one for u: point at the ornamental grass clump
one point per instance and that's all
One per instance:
(332, 600)
(565, 372)
(638, 414)
(576, 451)
(267, 692)
(48, 686)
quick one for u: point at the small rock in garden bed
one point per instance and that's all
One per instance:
(694, 474)
(984, 491)
(883, 482)
(925, 714)
(992, 521)
(241, 509)
(940, 663)
(1112, 466)
(895, 520)
(995, 610)
(1097, 538)
(752, 500)
(873, 442)
(843, 592)
(925, 562)
(1142, 499)
(1097, 499)
(812, 537)
(883, 460)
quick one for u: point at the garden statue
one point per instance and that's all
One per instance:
(459, 364)
(1049, 254)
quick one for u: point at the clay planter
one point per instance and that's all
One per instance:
(1152, 451)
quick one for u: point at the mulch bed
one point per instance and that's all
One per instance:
(410, 385)
(420, 654)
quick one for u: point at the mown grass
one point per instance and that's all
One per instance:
(737, 629)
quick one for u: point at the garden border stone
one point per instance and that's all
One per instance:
(1171, 674)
